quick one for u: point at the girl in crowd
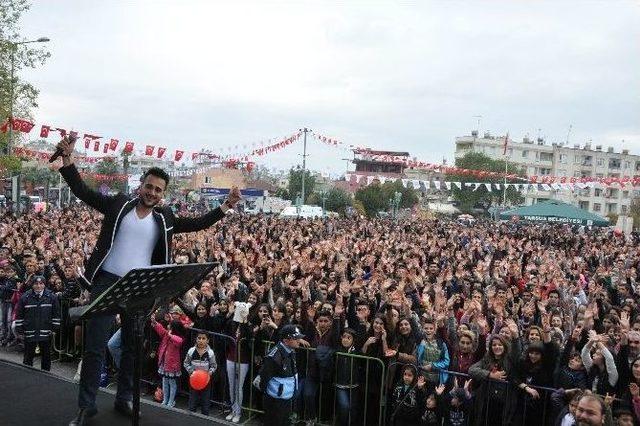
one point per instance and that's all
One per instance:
(169, 358)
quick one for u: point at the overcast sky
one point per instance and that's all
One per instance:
(388, 75)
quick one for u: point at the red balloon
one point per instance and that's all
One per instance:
(199, 379)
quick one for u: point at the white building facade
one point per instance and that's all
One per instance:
(541, 159)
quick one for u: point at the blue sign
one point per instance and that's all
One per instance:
(219, 192)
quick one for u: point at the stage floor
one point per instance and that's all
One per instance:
(31, 397)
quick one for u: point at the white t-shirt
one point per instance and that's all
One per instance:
(133, 245)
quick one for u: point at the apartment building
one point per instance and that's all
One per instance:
(540, 158)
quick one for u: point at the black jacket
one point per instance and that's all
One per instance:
(114, 208)
(37, 317)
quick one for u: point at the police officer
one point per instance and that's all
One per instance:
(278, 378)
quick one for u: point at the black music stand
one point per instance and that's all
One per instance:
(135, 295)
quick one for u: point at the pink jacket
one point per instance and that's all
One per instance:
(169, 350)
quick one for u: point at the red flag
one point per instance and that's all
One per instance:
(96, 145)
(128, 147)
(106, 148)
(62, 132)
(149, 150)
(178, 155)
(4, 127)
(161, 151)
(21, 125)
(87, 142)
(506, 141)
(194, 155)
(44, 131)
(73, 134)
(113, 144)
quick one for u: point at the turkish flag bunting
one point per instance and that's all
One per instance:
(193, 156)
(106, 148)
(128, 147)
(96, 145)
(178, 155)
(161, 151)
(62, 132)
(149, 150)
(44, 131)
(87, 142)
(113, 144)
(73, 134)
(21, 125)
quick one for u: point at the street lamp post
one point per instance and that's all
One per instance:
(14, 46)
(396, 202)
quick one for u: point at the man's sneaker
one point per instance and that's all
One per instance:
(229, 416)
(235, 419)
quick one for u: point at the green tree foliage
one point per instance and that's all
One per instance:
(38, 176)
(468, 198)
(409, 195)
(282, 193)
(109, 166)
(337, 200)
(22, 56)
(372, 199)
(295, 184)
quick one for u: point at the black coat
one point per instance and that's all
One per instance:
(114, 208)
(37, 317)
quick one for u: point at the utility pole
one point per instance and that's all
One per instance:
(304, 165)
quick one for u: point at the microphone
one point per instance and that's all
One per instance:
(58, 153)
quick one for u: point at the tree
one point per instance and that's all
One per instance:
(337, 200)
(109, 167)
(469, 198)
(372, 199)
(22, 56)
(409, 195)
(295, 184)
(281, 193)
(33, 177)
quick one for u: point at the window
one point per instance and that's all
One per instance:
(525, 153)
(623, 209)
(207, 179)
(584, 205)
(627, 165)
(563, 158)
(600, 162)
(597, 192)
(625, 194)
(612, 208)
(596, 207)
(614, 163)
(546, 156)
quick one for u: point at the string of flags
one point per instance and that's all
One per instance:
(556, 182)
(243, 154)
(95, 143)
(440, 185)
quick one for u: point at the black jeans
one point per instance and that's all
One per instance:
(45, 354)
(202, 398)
(99, 330)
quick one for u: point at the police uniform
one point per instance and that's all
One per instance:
(279, 379)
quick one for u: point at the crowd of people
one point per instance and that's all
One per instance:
(436, 321)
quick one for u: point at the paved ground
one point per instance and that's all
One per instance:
(67, 370)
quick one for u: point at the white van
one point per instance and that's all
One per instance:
(309, 212)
